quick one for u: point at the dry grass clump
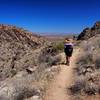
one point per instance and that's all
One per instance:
(77, 87)
(59, 46)
(49, 56)
(86, 84)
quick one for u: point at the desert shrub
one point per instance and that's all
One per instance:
(89, 84)
(49, 55)
(90, 89)
(77, 87)
(84, 69)
(92, 83)
(50, 60)
(55, 60)
(58, 46)
(85, 58)
(49, 50)
(97, 63)
(26, 93)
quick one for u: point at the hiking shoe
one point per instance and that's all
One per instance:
(67, 63)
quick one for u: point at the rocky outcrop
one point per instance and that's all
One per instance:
(14, 34)
(90, 32)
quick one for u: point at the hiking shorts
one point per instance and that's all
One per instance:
(68, 50)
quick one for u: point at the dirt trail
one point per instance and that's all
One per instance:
(57, 89)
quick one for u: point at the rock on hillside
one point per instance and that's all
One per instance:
(90, 32)
(13, 34)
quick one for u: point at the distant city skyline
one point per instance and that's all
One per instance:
(50, 16)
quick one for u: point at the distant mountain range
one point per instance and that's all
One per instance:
(56, 34)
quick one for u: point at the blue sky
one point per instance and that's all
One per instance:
(62, 16)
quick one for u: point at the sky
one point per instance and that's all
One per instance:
(50, 16)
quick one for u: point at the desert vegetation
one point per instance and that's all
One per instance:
(87, 71)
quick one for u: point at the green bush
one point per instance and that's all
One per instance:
(58, 46)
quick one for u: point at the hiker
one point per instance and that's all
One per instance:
(68, 49)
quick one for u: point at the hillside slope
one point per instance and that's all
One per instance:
(25, 64)
(15, 46)
(86, 85)
(90, 32)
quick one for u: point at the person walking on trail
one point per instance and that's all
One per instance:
(68, 49)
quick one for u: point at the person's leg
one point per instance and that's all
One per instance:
(70, 55)
(66, 59)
